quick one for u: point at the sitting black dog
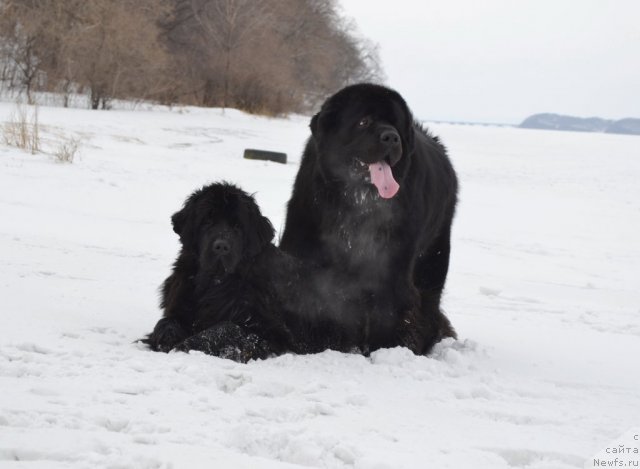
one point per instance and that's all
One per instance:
(233, 294)
(374, 199)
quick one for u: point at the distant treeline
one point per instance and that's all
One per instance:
(262, 56)
(548, 121)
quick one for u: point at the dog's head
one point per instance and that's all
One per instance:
(221, 226)
(362, 135)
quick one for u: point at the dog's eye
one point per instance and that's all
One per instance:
(364, 122)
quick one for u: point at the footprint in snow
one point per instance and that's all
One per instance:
(488, 291)
(230, 382)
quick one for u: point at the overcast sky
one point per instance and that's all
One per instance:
(502, 60)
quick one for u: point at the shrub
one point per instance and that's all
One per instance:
(68, 149)
(23, 130)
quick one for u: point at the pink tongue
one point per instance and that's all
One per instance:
(382, 178)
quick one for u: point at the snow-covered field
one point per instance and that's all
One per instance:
(543, 289)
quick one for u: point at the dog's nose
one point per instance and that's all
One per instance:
(221, 247)
(390, 137)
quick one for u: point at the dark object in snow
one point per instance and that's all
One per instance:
(252, 154)
(373, 201)
(233, 294)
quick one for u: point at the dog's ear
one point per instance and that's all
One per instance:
(324, 121)
(313, 125)
(260, 233)
(409, 129)
(184, 219)
(265, 230)
(410, 137)
(178, 221)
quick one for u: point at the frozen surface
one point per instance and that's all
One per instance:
(543, 289)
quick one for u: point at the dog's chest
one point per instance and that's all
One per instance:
(360, 235)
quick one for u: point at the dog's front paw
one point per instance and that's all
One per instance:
(167, 333)
(227, 340)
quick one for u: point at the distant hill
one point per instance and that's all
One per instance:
(579, 124)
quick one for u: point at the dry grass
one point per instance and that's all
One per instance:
(23, 130)
(68, 150)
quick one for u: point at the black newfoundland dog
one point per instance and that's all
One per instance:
(373, 202)
(233, 294)
(214, 300)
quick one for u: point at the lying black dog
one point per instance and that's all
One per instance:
(214, 283)
(233, 294)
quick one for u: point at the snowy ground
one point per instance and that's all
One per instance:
(543, 290)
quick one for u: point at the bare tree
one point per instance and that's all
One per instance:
(325, 51)
(263, 56)
(114, 49)
(111, 47)
(22, 37)
(230, 25)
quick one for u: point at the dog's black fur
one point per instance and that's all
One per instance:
(394, 252)
(214, 279)
(233, 294)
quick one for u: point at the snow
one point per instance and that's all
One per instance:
(543, 290)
